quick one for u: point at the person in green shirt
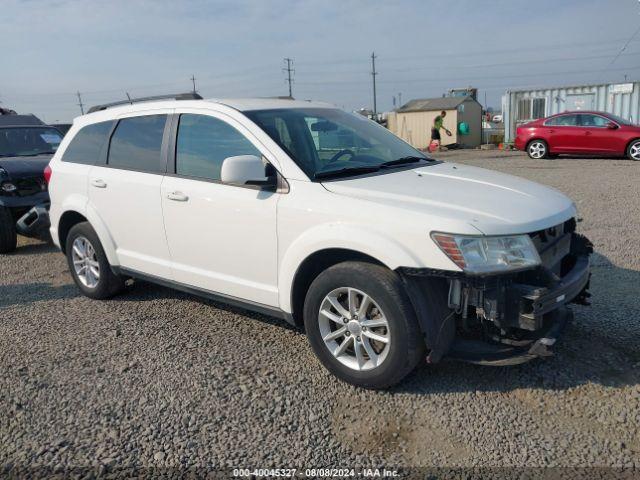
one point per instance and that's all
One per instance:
(437, 126)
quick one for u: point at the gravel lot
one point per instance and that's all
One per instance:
(157, 378)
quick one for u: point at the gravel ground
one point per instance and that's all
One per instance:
(157, 378)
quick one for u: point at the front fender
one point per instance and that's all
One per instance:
(369, 242)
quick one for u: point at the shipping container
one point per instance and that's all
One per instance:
(522, 106)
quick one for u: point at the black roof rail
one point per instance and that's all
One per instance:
(177, 96)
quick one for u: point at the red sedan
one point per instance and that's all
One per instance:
(582, 133)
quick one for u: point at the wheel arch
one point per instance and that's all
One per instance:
(67, 221)
(312, 266)
(331, 243)
(536, 139)
(75, 213)
(628, 144)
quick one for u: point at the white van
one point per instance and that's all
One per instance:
(385, 256)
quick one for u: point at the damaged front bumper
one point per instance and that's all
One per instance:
(503, 319)
(35, 221)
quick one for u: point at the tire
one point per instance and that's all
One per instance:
(633, 150)
(538, 149)
(389, 305)
(8, 235)
(106, 284)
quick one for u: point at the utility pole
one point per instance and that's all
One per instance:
(80, 104)
(373, 75)
(289, 71)
(193, 80)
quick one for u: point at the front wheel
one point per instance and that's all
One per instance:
(633, 151)
(361, 325)
(8, 236)
(538, 149)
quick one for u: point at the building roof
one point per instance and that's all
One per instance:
(431, 104)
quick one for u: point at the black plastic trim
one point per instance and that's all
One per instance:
(569, 288)
(34, 221)
(492, 354)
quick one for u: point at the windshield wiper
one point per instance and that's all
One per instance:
(403, 161)
(346, 171)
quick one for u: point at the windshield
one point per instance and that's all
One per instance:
(28, 141)
(619, 120)
(323, 141)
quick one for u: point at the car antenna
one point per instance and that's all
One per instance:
(130, 101)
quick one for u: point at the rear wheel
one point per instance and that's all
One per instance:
(361, 325)
(8, 236)
(88, 264)
(538, 149)
(633, 150)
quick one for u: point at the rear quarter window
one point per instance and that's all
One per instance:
(86, 146)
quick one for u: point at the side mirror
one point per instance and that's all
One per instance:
(611, 126)
(246, 170)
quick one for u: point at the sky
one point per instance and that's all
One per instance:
(52, 49)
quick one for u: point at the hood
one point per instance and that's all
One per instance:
(18, 167)
(492, 202)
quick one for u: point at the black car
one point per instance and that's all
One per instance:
(26, 146)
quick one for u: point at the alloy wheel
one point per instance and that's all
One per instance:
(537, 150)
(354, 328)
(85, 262)
(635, 151)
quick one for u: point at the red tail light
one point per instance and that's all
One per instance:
(47, 174)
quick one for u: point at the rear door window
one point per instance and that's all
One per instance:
(563, 121)
(136, 144)
(204, 142)
(86, 146)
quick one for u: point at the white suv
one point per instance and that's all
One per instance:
(300, 210)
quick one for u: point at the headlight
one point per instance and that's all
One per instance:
(478, 254)
(8, 187)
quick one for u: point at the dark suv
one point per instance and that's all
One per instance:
(26, 146)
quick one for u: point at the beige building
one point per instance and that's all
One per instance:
(413, 121)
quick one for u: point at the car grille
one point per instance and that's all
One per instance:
(554, 244)
(30, 186)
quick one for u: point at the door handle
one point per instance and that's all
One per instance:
(551, 131)
(99, 183)
(587, 132)
(177, 197)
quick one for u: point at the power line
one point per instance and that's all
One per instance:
(625, 47)
(373, 76)
(80, 104)
(289, 71)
